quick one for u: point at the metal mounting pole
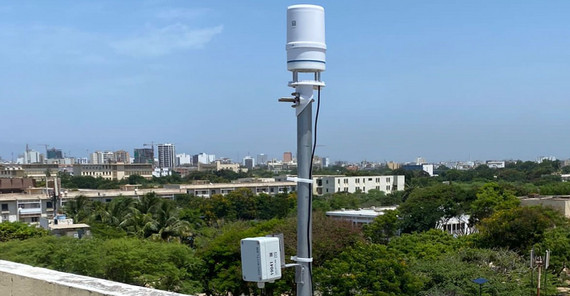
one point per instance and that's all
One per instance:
(304, 152)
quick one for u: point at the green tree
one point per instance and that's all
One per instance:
(19, 231)
(491, 198)
(426, 206)
(452, 274)
(222, 257)
(367, 269)
(518, 228)
(169, 226)
(557, 240)
(79, 208)
(425, 245)
(383, 228)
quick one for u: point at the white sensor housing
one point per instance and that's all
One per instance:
(260, 259)
(306, 47)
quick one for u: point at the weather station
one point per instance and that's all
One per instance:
(306, 52)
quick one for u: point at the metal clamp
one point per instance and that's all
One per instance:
(299, 259)
(300, 180)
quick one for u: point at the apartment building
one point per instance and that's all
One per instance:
(218, 165)
(332, 184)
(113, 171)
(25, 207)
(207, 190)
(39, 171)
(166, 156)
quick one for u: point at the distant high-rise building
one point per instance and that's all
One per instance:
(82, 160)
(54, 154)
(108, 157)
(420, 160)
(203, 158)
(99, 157)
(261, 159)
(96, 157)
(249, 162)
(183, 159)
(287, 156)
(166, 156)
(31, 156)
(144, 155)
(122, 156)
(326, 162)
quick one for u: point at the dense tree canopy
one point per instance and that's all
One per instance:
(518, 228)
(19, 231)
(367, 269)
(491, 198)
(426, 206)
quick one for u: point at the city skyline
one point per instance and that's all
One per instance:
(445, 80)
(33, 155)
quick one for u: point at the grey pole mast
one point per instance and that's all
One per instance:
(305, 54)
(304, 227)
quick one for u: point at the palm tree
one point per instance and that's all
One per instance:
(148, 203)
(115, 212)
(138, 224)
(169, 226)
(79, 209)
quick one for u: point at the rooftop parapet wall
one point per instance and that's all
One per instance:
(24, 280)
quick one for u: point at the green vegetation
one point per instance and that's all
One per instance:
(134, 261)
(19, 231)
(191, 244)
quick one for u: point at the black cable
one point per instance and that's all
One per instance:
(311, 187)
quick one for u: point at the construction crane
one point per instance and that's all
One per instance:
(45, 145)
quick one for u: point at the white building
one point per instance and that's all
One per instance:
(386, 184)
(161, 172)
(203, 158)
(82, 160)
(456, 225)
(31, 156)
(261, 159)
(360, 216)
(428, 168)
(540, 159)
(166, 156)
(420, 160)
(496, 164)
(99, 157)
(183, 159)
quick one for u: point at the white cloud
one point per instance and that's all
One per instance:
(182, 13)
(166, 40)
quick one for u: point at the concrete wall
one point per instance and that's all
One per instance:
(24, 280)
(561, 203)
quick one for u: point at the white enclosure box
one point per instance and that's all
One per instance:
(306, 47)
(260, 259)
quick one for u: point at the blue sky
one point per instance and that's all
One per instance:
(446, 80)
